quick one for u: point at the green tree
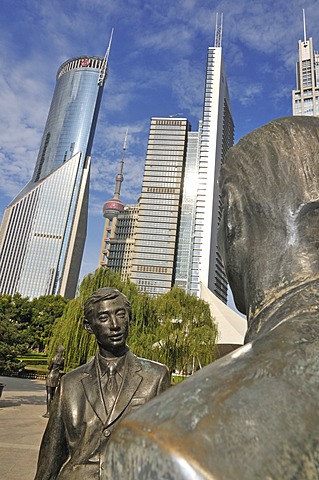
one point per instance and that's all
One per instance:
(187, 334)
(15, 335)
(176, 329)
(45, 310)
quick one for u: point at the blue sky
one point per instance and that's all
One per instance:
(156, 68)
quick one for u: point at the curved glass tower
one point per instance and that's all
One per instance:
(44, 228)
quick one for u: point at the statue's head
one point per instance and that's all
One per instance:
(107, 315)
(269, 184)
(105, 293)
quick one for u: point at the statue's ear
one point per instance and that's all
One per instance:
(87, 326)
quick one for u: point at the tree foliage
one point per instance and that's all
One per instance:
(176, 329)
(45, 310)
(182, 334)
(15, 318)
(26, 325)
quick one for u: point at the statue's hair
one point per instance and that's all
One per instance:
(276, 167)
(106, 293)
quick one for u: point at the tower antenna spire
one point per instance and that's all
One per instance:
(218, 30)
(119, 176)
(103, 69)
(113, 207)
(304, 25)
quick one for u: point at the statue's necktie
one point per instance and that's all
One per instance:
(110, 389)
(111, 385)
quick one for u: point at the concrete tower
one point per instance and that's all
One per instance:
(111, 210)
(305, 99)
(217, 136)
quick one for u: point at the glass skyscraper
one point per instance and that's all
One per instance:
(179, 208)
(153, 264)
(44, 228)
(185, 241)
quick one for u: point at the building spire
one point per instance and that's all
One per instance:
(112, 207)
(103, 70)
(304, 25)
(119, 176)
(218, 31)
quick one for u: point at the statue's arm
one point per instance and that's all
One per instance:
(54, 450)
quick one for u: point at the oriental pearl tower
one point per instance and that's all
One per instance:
(111, 209)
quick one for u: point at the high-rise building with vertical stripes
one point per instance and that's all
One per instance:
(179, 209)
(216, 137)
(43, 230)
(156, 234)
(305, 99)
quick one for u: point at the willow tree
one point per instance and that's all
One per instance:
(175, 328)
(186, 334)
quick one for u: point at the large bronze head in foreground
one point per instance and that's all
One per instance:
(254, 413)
(268, 236)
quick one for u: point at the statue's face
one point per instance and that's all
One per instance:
(110, 324)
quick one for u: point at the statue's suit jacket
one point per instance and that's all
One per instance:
(79, 427)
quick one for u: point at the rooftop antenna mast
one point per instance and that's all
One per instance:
(103, 69)
(304, 25)
(218, 31)
(119, 176)
(113, 207)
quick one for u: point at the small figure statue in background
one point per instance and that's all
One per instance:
(52, 381)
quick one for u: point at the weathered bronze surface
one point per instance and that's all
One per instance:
(92, 399)
(254, 413)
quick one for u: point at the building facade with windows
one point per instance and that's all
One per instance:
(305, 99)
(43, 230)
(179, 209)
(156, 234)
(119, 240)
(216, 137)
(184, 277)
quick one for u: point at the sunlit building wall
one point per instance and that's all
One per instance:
(217, 136)
(305, 99)
(44, 228)
(153, 264)
(186, 230)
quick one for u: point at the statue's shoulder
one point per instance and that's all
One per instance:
(79, 372)
(150, 365)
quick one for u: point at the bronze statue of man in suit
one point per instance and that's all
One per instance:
(92, 399)
(254, 413)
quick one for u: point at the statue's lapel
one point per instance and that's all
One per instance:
(93, 391)
(130, 384)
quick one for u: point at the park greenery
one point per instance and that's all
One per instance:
(175, 328)
(26, 325)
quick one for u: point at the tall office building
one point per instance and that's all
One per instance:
(217, 136)
(153, 264)
(305, 99)
(179, 210)
(186, 231)
(44, 228)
